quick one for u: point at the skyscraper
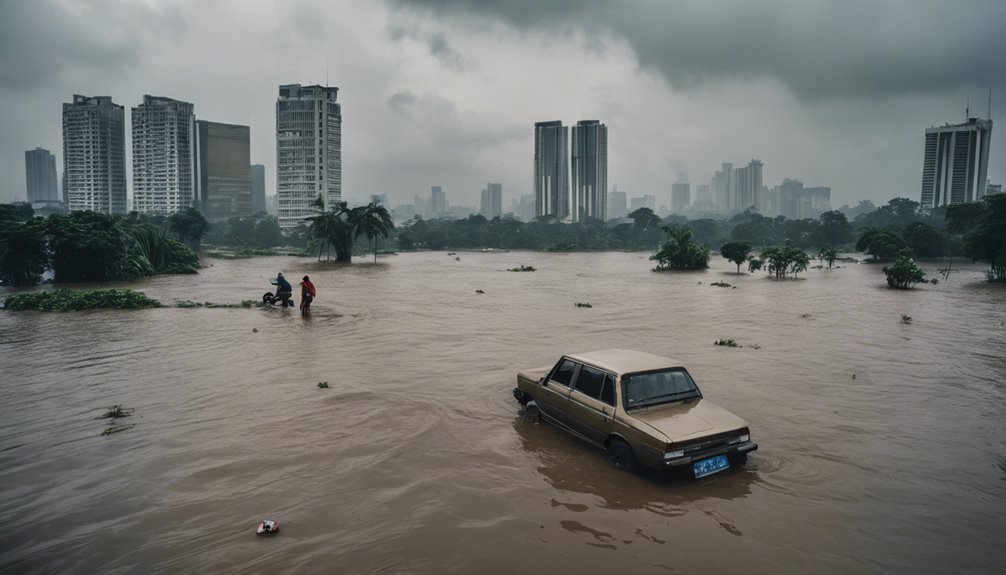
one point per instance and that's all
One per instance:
(747, 182)
(492, 201)
(258, 188)
(722, 188)
(40, 176)
(223, 169)
(590, 170)
(617, 204)
(308, 151)
(438, 201)
(681, 197)
(163, 155)
(955, 163)
(551, 170)
(94, 155)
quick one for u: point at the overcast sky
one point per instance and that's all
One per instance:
(446, 92)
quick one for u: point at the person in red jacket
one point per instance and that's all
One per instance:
(307, 293)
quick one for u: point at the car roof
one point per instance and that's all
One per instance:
(624, 360)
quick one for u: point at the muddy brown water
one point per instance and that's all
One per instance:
(882, 444)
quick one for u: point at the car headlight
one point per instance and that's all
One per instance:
(674, 454)
(746, 438)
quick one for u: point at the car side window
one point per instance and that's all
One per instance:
(590, 381)
(608, 390)
(564, 373)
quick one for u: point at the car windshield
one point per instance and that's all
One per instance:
(654, 387)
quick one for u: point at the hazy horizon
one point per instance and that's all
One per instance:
(446, 92)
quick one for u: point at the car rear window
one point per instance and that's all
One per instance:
(651, 388)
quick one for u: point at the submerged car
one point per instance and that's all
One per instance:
(641, 408)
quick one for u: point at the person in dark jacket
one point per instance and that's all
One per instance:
(283, 289)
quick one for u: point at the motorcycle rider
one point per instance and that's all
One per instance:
(283, 289)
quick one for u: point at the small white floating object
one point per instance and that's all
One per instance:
(268, 527)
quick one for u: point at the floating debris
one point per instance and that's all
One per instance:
(113, 428)
(322, 385)
(721, 284)
(585, 304)
(726, 343)
(804, 315)
(254, 330)
(906, 319)
(116, 411)
(267, 527)
(479, 291)
(522, 268)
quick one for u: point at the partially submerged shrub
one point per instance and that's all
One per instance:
(74, 300)
(725, 342)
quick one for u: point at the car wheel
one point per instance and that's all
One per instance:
(532, 414)
(620, 455)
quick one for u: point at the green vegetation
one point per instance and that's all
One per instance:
(117, 411)
(828, 254)
(737, 252)
(983, 225)
(248, 303)
(583, 304)
(679, 253)
(522, 268)
(371, 220)
(725, 342)
(189, 226)
(721, 284)
(114, 428)
(340, 226)
(75, 300)
(784, 260)
(322, 385)
(906, 319)
(904, 274)
(259, 230)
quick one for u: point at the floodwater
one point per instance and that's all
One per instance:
(882, 444)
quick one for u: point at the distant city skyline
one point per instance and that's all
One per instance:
(434, 98)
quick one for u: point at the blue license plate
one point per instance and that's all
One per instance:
(710, 466)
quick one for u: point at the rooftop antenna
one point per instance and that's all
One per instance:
(967, 109)
(326, 74)
(990, 103)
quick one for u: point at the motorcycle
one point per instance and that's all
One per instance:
(282, 298)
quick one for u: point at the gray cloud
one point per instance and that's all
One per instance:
(43, 39)
(437, 43)
(817, 49)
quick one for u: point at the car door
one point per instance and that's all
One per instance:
(555, 389)
(591, 405)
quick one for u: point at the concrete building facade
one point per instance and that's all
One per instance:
(618, 205)
(747, 186)
(163, 156)
(94, 155)
(308, 151)
(955, 163)
(492, 201)
(40, 176)
(590, 171)
(223, 170)
(258, 188)
(681, 197)
(551, 169)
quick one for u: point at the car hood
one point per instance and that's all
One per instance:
(684, 421)
(534, 374)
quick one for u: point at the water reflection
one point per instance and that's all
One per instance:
(571, 465)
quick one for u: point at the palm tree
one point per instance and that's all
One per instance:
(828, 254)
(372, 220)
(321, 226)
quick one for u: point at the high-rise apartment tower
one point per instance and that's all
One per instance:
(492, 201)
(163, 156)
(40, 176)
(955, 163)
(308, 151)
(223, 170)
(94, 155)
(551, 169)
(590, 170)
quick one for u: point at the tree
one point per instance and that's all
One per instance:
(903, 274)
(24, 254)
(754, 264)
(679, 253)
(924, 240)
(374, 220)
(986, 242)
(737, 252)
(644, 218)
(828, 254)
(880, 243)
(189, 226)
(783, 260)
(87, 246)
(834, 229)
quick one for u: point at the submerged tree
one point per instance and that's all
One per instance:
(828, 254)
(679, 253)
(189, 226)
(24, 253)
(783, 260)
(904, 274)
(737, 252)
(986, 241)
(372, 220)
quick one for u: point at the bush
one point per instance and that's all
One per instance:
(904, 274)
(74, 300)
